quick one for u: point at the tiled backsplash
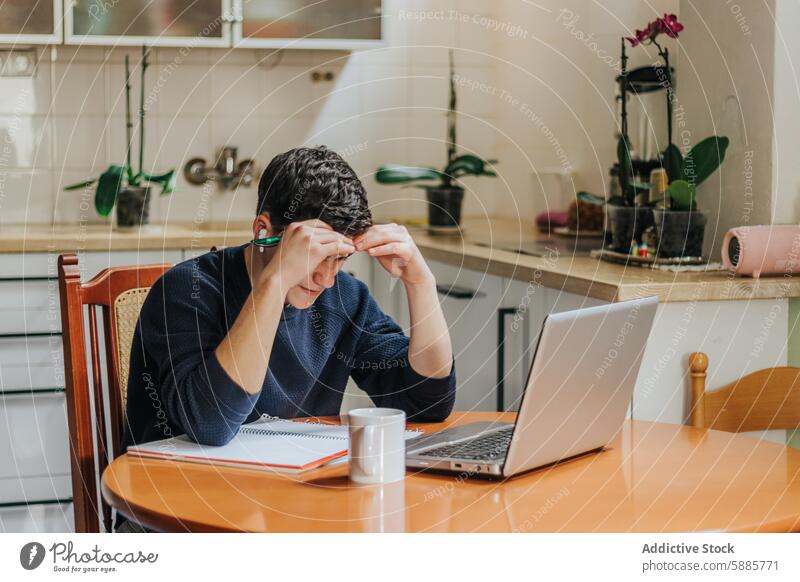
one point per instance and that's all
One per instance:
(386, 105)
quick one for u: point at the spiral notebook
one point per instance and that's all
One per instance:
(268, 444)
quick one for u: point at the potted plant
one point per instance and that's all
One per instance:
(119, 185)
(680, 227)
(627, 221)
(445, 196)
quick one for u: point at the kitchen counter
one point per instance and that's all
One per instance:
(479, 250)
(21, 238)
(476, 250)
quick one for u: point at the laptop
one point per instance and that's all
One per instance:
(575, 400)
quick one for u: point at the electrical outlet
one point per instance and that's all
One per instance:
(319, 76)
(17, 62)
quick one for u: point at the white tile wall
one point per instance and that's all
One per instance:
(384, 105)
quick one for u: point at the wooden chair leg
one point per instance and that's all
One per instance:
(698, 364)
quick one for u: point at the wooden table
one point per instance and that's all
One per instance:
(653, 477)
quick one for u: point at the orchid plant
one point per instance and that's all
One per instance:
(457, 166)
(684, 174)
(111, 182)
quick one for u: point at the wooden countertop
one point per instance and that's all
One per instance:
(477, 249)
(22, 238)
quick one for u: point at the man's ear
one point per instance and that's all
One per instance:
(262, 223)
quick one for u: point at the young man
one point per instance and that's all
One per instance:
(245, 331)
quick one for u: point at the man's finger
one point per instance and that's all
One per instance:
(393, 248)
(377, 237)
(326, 236)
(338, 249)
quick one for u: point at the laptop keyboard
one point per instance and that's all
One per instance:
(488, 447)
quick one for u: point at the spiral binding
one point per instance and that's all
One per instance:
(267, 432)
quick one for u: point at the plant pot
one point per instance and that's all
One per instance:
(444, 206)
(133, 206)
(628, 223)
(680, 232)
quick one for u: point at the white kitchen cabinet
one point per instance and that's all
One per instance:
(29, 306)
(35, 488)
(531, 302)
(470, 301)
(23, 22)
(42, 518)
(340, 25)
(182, 23)
(34, 451)
(296, 24)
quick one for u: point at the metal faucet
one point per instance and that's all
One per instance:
(226, 172)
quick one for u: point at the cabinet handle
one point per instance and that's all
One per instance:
(457, 292)
(501, 355)
(14, 504)
(31, 391)
(237, 12)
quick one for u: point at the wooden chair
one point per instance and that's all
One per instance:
(118, 293)
(764, 400)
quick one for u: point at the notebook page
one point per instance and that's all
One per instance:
(278, 450)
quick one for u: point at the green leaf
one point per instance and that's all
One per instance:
(166, 181)
(108, 186)
(466, 165)
(673, 160)
(590, 198)
(623, 155)
(80, 185)
(617, 201)
(397, 174)
(704, 159)
(682, 194)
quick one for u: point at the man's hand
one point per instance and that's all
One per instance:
(303, 247)
(396, 252)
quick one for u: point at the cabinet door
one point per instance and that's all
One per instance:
(26, 22)
(40, 518)
(186, 23)
(343, 24)
(525, 309)
(34, 456)
(470, 301)
(528, 303)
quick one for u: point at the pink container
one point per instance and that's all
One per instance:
(762, 250)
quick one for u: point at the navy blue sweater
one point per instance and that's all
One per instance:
(176, 384)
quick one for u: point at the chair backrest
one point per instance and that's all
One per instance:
(764, 400)
(118, 293)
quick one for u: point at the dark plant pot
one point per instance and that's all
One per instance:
(444, 206)
(628, 223)
(133, 206)
(680, 232)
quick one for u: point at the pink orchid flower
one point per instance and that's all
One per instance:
(671, 25)
(668, 24)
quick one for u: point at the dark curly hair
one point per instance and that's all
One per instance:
(307, 183)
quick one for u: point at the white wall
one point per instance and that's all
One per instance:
(786, 143)
(386, 105)
(563, 76)
(726, 69)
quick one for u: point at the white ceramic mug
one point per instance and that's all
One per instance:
(377, 445)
